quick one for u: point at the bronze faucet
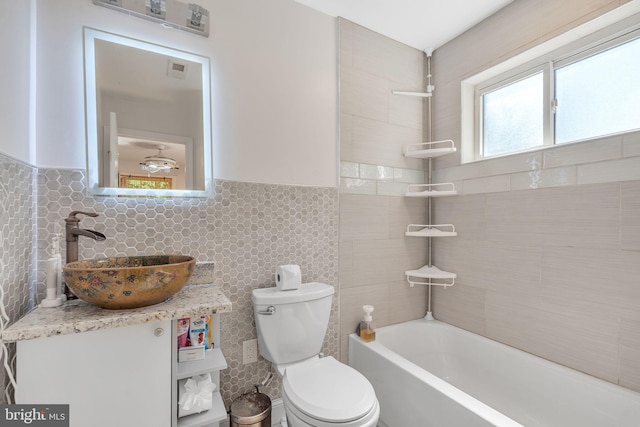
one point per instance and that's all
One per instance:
(73, 231)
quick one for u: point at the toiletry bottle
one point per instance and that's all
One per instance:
(367, 329)
(53, 269)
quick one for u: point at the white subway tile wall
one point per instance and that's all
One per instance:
(349, 170)
(357, 186)
(362, 178)
(376, 172)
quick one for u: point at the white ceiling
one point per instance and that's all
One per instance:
(421, 24)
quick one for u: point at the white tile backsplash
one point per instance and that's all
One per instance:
(357, 186)
(610, 159)
(360, 178)
(377, 172)
(512, 164)
(544, 178)
(349, 170)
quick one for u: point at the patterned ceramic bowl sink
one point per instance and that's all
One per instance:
(128, 282)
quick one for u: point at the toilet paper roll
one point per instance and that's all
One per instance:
(288, 277)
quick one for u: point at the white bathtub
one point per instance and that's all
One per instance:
(429, 373)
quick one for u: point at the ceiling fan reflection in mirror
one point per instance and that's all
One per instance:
(158, 162)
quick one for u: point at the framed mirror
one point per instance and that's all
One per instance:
(148, 118)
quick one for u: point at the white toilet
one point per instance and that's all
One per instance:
(317, 391)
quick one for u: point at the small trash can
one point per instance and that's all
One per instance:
(251, 410)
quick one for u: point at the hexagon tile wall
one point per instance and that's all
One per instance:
(245, 229)
(17, 227)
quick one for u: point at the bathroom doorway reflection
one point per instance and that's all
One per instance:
(149, 161)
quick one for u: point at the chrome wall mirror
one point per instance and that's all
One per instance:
(148, 118)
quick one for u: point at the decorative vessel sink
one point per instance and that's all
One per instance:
(128, 282)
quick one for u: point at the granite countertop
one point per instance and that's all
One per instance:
(78, 316)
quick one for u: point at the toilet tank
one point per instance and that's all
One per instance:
(298, 322)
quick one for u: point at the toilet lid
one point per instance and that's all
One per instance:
(328, 390)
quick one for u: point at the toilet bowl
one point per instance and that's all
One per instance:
(324, 392)
(316, 391)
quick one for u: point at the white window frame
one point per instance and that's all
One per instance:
(602, 34)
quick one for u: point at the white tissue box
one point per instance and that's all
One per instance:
(187, 354)
(198, 400)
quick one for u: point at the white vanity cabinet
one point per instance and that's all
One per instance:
(110, 377)
(116, 367)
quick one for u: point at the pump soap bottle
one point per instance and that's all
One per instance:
(366, 329)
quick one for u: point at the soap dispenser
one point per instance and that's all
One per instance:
(366, 329)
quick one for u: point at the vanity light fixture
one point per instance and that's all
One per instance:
(158, 162)
(168, 13)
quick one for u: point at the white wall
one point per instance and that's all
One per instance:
(15, 32)
(274, 85)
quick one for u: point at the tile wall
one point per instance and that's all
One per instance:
(548, 246)
(17, 229)
(375, 127)
(246, 230)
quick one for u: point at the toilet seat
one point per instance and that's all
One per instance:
(329, 391)
(295, 418)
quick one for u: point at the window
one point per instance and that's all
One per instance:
(144, 182)
(512, 117)
(560, 98)
(599, 95)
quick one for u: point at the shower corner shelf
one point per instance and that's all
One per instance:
(431, 190)
(427, 230)
(418, 94)
(425, 150)
(430, 273)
